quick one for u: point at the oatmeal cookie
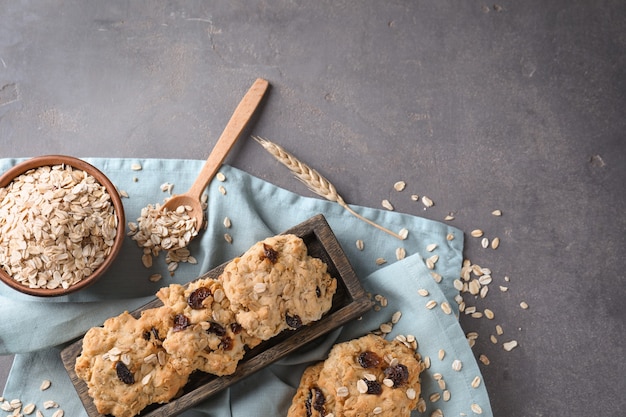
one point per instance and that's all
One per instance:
(276, 285)
(125, 366)
(369, 375)
(309, 400)
(205, 335)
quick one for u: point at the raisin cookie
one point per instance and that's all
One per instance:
(276, 285)
(205, 335)
(365, 376)
(125, 366)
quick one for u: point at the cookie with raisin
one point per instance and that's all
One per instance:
(205, 335)
(365, 376)
(125, 366)
(275, 285)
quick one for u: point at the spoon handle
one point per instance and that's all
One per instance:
(235, 126)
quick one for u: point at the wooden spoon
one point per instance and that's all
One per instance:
(233, 130)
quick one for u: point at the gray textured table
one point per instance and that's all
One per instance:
(517, 106)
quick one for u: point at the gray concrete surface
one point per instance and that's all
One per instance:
(517, 106)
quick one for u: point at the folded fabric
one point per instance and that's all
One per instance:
(37, 329)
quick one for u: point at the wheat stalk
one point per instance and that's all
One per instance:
(314, 180)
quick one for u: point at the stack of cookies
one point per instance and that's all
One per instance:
(208, 326)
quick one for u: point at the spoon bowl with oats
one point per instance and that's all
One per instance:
(190, 202)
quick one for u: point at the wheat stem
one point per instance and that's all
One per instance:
(314, 180)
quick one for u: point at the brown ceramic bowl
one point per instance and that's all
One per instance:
(53, 160)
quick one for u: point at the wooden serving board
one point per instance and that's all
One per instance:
(349, 303)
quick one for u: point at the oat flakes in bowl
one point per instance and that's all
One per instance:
(61, 225)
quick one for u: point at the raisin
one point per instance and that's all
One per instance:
(124, 374)
(149, 334)
(181, 322)
(235, 328)
(373, 387)
(197, 297)
(155, 333)
(399, 374)
(294, 321)
(216, 329)
(318, 400)
(226, 343)
(369, 359)
(269, 253)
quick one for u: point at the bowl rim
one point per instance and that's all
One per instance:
(51, 160)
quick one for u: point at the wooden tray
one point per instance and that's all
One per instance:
(349, 303)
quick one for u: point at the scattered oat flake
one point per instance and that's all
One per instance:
(457, 365)
(220, 176)
(476, 233)
(386, 204)
(446, 307)
(509, 346)
(155, 277)
(446, 395)
(524, 305)
(359, 244)
(399, 186)
(58, 413)
(484, 359)
(403, 233)
(400, 253)
(436, 277)
(503, 288)
(380, 261)
(228, 238)
(427, 202)
(28, 409)
(431, 304)
(427, 362)
(123, 193)
(449, 217)
(45, 384)
(450, 236)
(227, 222)
(436, 413)
(136, 167)
(484, 243)
(476, 382)
(423, 292)
(488, 313)
(50, 404)
(497, 213)
(222, 190)
(495, 243)
(431, 247)
(415, 197)
(499, 330)
(476, 408)
(396, 317)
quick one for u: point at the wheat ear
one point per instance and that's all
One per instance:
(313, 180)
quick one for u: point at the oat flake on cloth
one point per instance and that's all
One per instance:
(36, 330)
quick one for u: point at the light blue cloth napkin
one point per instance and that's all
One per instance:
(37, 329)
